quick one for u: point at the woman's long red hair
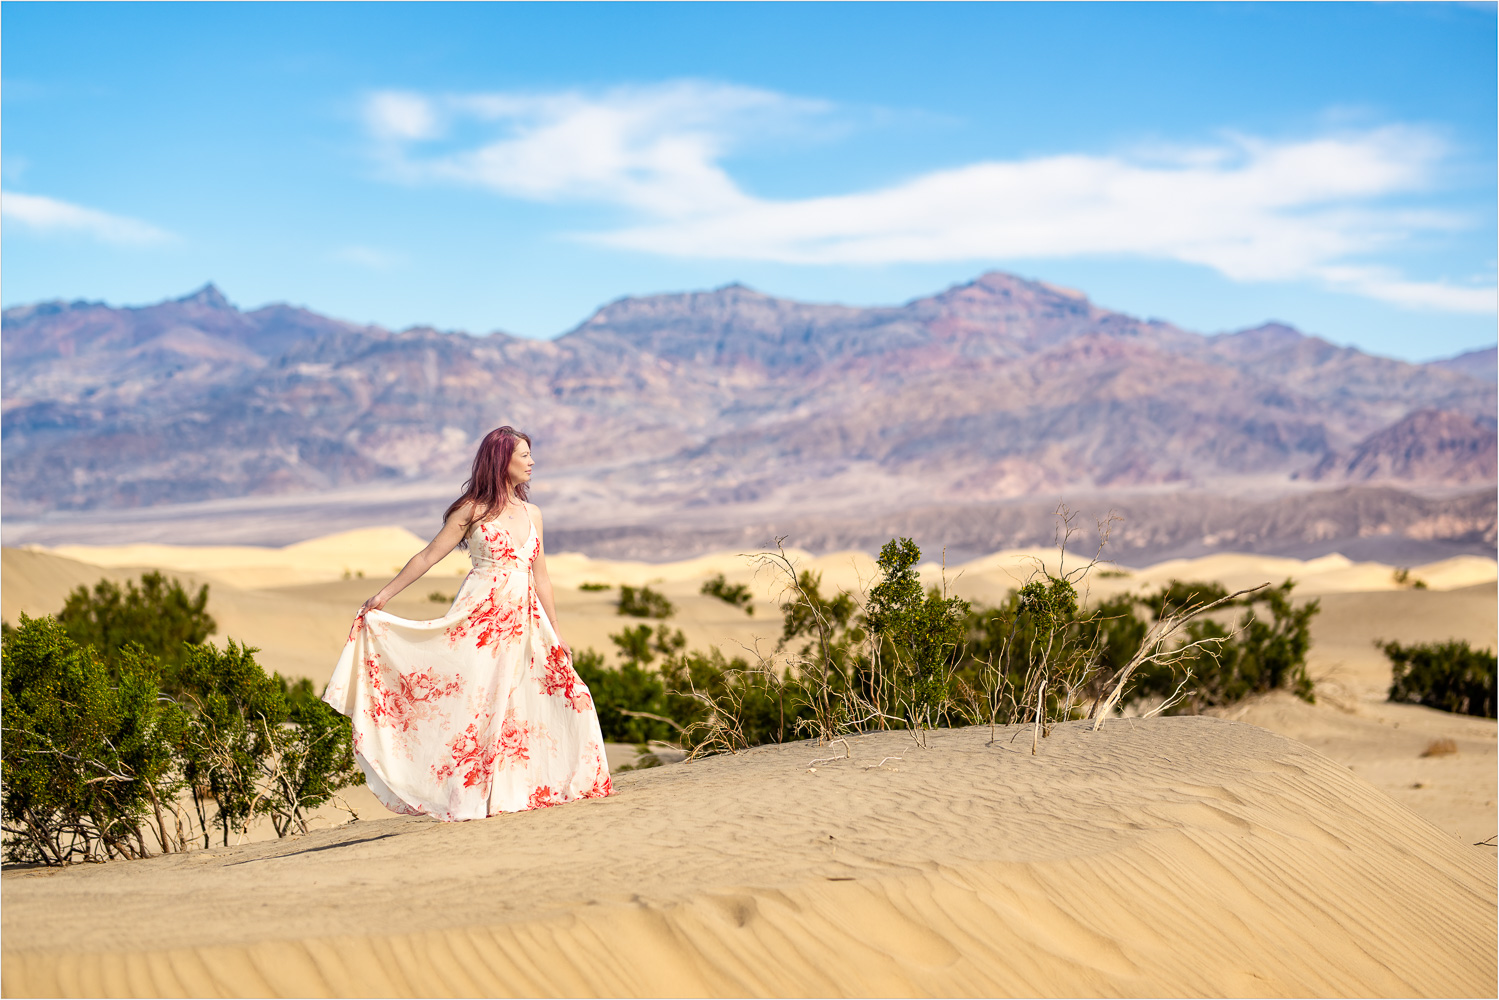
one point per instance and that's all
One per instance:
(488, 483)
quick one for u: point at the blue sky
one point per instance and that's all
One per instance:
(511, 166)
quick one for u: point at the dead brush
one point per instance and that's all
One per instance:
(1161, 647)
(821, 669)
(1440, 748)
(1036, 660)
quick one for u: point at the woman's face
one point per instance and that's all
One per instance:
(521, 464)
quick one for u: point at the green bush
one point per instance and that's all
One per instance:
(1039, 649)
(736, 594)
(642, 644)
(633, 687)
(826, 624)
(661, 692)
(159, 616)
(920, 630)
(1268, 654)
(257, 745)
(644, 603)
(917, 658)
(728, 705)
(96, 755)
(1446, 675)
(88, 758)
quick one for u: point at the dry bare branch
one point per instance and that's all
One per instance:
(847, 754)
(1153, 648)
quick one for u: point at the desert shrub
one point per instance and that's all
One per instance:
(644, 603)
(1402, 577)
(256, 745)
(1263, 651)
(316, 759)
(704, 702)
(1118, 630)
(1177, 595)
(159, 616)
(917, 658)
(642, 644)
(620, 693)
(88, 753)
(736, 594)
(595, 586)
(236, 711)
(1039, 657)
(826, 625)
(917, 630)
(1447, 675)
(727, 705)
(95, 753)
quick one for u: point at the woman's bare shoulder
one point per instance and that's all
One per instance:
(465, 513)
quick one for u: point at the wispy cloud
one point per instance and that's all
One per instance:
(1387, 286)
(653, 149)
(51, 216)
(371, 258)
(1323, 209)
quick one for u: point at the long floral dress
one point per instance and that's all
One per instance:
(479, 711)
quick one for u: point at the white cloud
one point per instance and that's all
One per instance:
(49, 215)
(1387, 286)
(1254, 210)
(392, 115)
(653, 149)
(372, 258)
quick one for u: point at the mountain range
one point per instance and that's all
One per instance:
(670, 423)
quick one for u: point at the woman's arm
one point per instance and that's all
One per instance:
(543, 581)
(445, 541)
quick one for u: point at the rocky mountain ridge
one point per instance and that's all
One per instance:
(722, 403)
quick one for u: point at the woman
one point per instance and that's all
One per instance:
(480, 711)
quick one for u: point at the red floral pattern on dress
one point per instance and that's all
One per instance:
(543, 797)
(514, 746)
(561, 679)
(501, 544)
(490, 623)
(412, 699)
(602, 787)
(469, 754)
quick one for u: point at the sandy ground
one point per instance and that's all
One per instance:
(1166, 857)
(1160, 857)
(295, 605)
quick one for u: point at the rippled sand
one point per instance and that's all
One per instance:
(1199, 856)
(1174, 856)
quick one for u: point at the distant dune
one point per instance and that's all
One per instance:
(296, 602)
(1176, 856)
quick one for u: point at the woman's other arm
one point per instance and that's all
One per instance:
(444, 542)
(543, 580)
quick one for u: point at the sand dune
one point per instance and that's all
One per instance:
(308, 584)
(1170, 856)
(1173, 856)
(1383, 743)
(293, 604)
(370, 552)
